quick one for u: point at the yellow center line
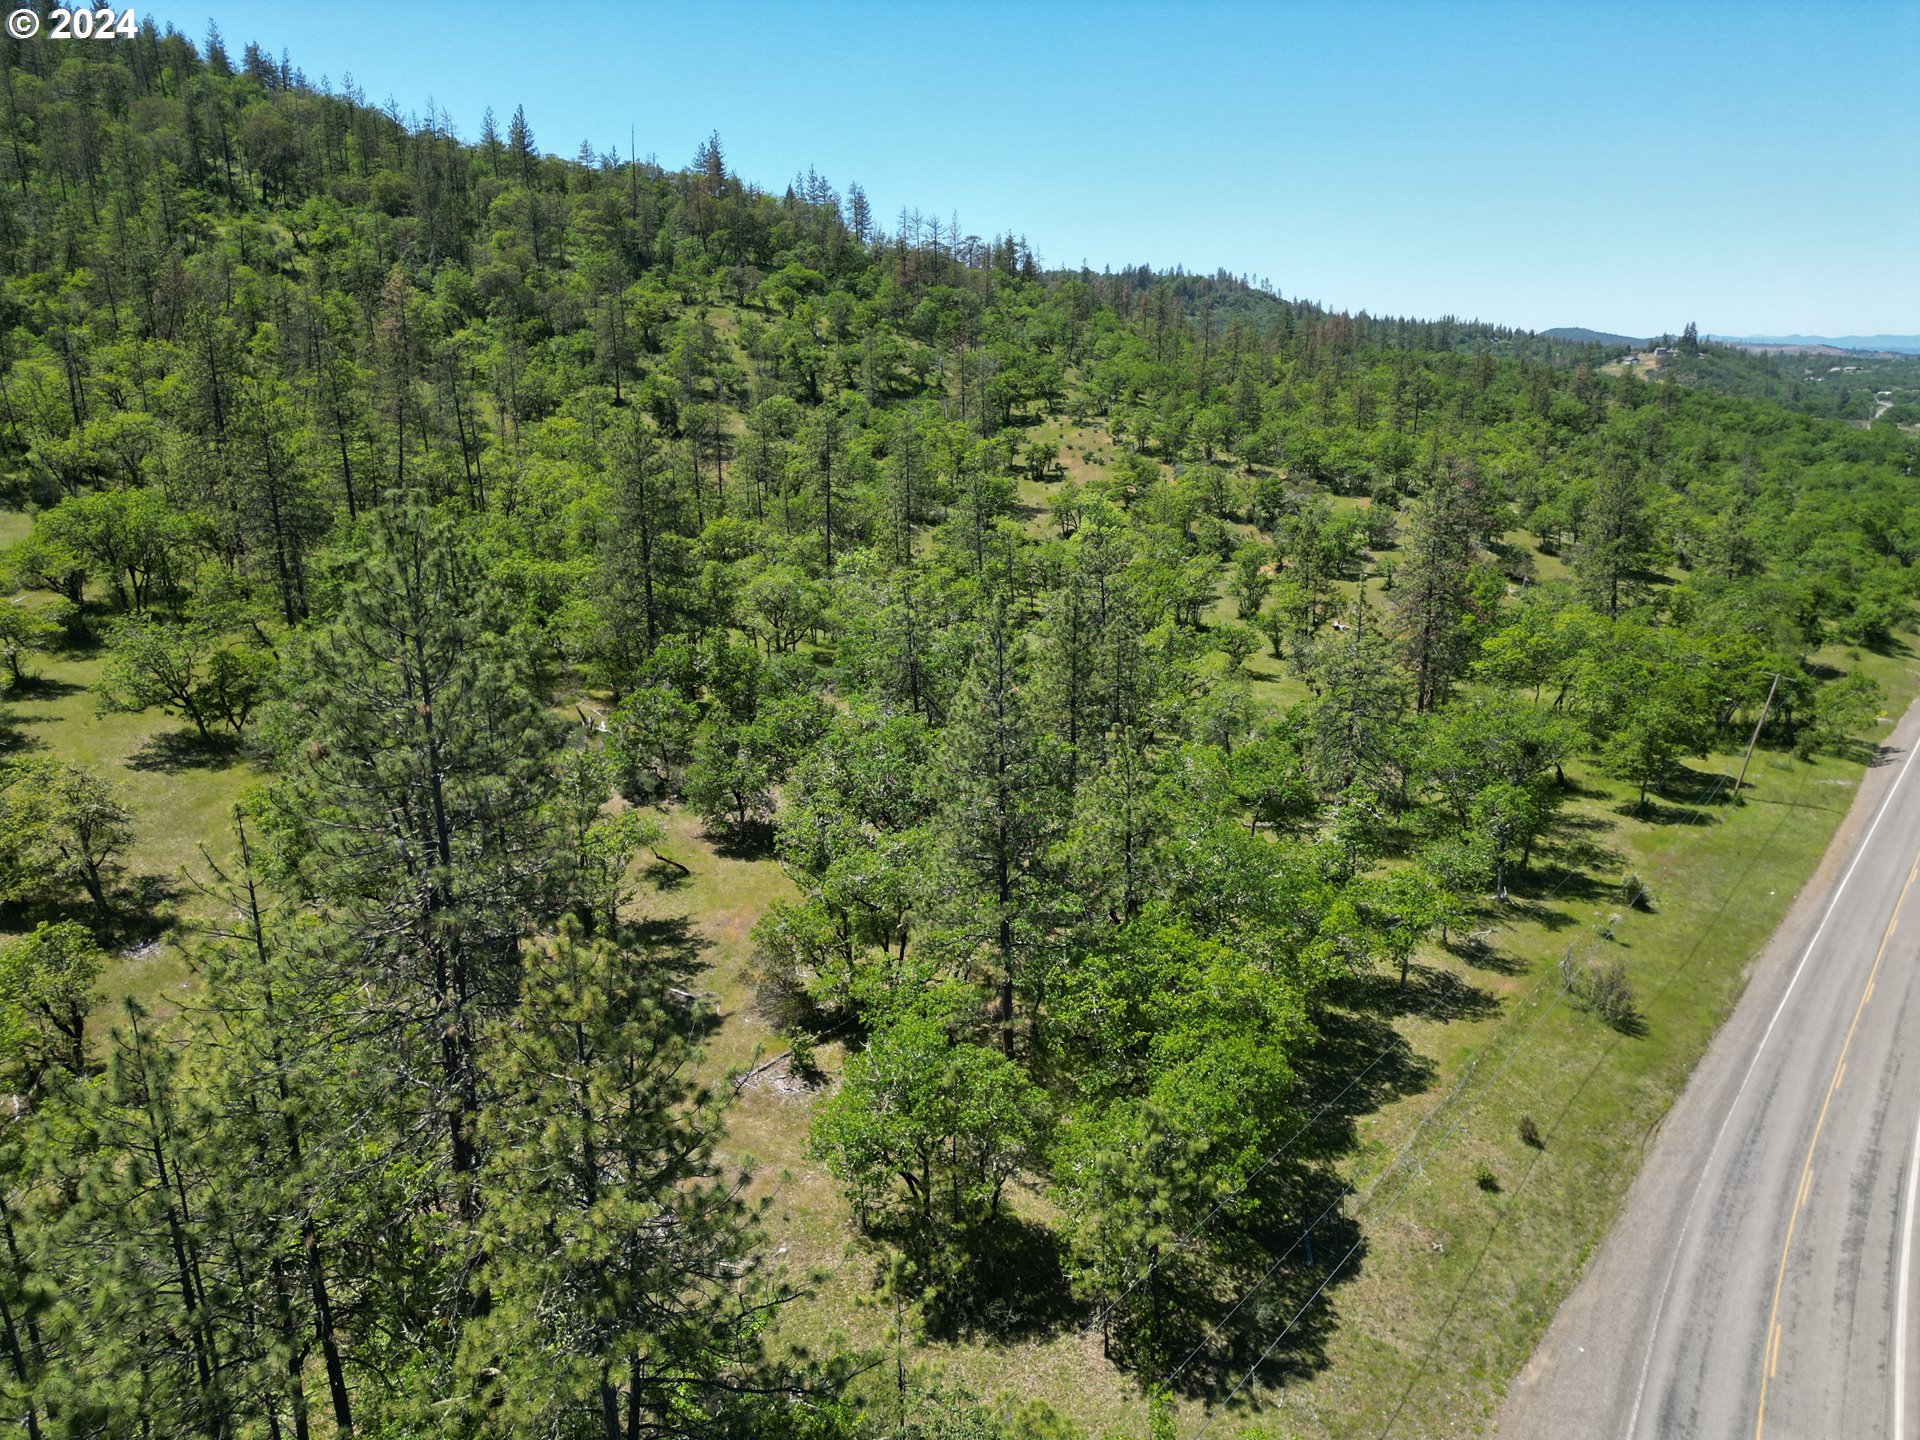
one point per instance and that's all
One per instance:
(1806, 1168)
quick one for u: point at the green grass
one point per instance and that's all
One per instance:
(180, 797)
(1456, 1282)
(1456, 1279)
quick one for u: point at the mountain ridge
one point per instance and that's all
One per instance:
(1581, 334)
(1896, 344)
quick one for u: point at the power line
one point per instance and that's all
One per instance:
(1184, 1240)
(1518, 1046)
(1672, 978)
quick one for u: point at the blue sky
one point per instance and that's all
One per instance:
(1754, 167)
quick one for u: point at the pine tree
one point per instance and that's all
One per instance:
(1616, 538)
(646, 556)
(273, 1067)
(1353, 721)
(425, 772)
(490, 138)
(153, 1319)
(859, 212)
(276, 513)
(520, 144)
(998, 777)
(27, 1294)
(619, 1258)
(1431, 594)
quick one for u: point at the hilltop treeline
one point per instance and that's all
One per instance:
(371, 449)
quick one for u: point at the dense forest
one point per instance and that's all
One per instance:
(496, 505)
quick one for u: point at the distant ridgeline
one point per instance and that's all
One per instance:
(1867, 344)
(1877, 387)
(1866, 386)
(1125, 671)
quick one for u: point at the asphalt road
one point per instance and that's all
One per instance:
(1759, 1282)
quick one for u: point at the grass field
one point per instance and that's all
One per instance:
(1458, 1239)
(181, 795)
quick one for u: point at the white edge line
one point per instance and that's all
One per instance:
(1686, 1223)
(1900, 1305)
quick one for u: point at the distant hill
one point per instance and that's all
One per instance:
(1855, 385)
(1580, 335)
(1893, 344)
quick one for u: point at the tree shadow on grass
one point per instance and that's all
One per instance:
(42, 688)
(174, 751)
(669, 942)
(1567, 862)
(1430, 993)
(1633, 1025)
(1576, 863)
(1479, 953)
(1691, 791)
(1575, 789)
(1357, 1063)
(1285, 1288)
(1652, 812)
(1854, 752)
(676, 952)
(665, 875)
(1009, 1284)
(141, 907)
(1575, 875)
(1028, 514)
(13, 738)
(1569, 826)
(1890, 646)
(751, 841)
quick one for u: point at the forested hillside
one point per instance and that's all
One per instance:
(590, 643)
(1867, 389)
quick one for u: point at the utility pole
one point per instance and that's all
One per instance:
(1755, 740)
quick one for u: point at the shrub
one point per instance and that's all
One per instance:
(1602, 988)
(1634, 893)
(802, 1063)
(1530, 1134)
(1609, 994)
